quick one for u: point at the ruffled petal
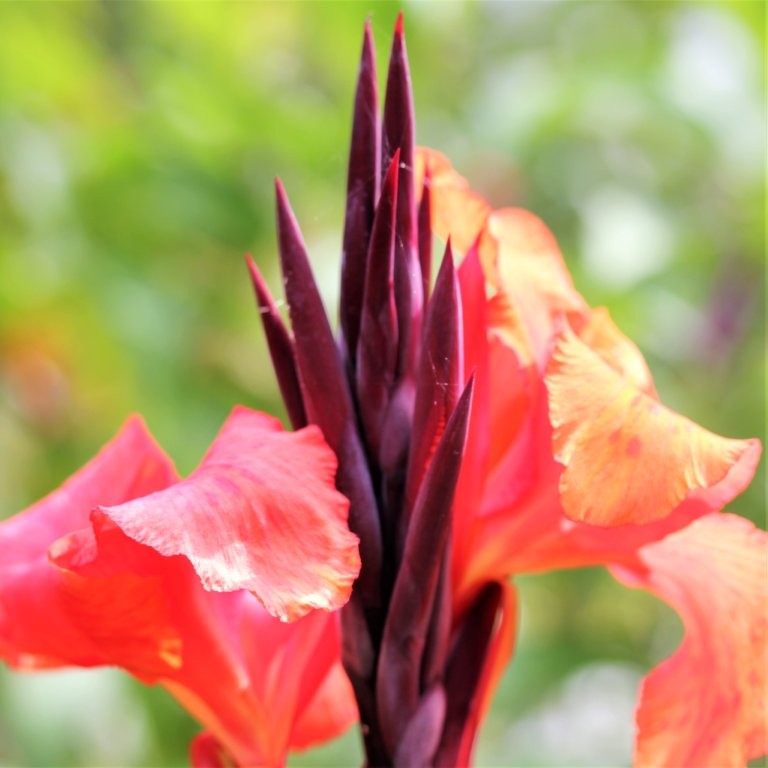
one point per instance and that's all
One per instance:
(76, 589)
(260, 513)
(245, 675)
(706, 704)
(598, 331)
(531, 271)
(627, 458)
(36, 629)
(132, 464)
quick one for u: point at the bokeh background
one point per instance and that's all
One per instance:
(138, 143)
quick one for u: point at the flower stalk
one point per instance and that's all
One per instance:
(393, 401)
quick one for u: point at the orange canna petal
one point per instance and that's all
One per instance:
(521, 260)
(260, 513)
(706, 704)
(532, 272)
(598, 331)
(456, 210)
(627, 458)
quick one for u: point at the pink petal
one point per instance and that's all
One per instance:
(260, 513)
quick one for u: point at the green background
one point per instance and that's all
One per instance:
(138, 144)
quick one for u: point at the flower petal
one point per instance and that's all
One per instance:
(36, 629)
(520, 256)
(260, 513)
(706, 704)
(627, 458)
(600, 334)
(246, 676)
(132, 464)
(330, 712)
(532, 272)
(205, 751)
(457, 211)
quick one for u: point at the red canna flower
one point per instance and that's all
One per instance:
(494, 425)
(489, 425)
(110, 568)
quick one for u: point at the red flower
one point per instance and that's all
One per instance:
(495, 425)
(571, 460)
(489, 426)
(108, 570)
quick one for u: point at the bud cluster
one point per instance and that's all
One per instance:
(393, 400)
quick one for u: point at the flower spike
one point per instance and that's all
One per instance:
(362, 192)
(326, 393)
(281, 348)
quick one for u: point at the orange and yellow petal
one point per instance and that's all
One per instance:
(627, 458)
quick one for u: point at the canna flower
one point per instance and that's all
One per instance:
(179, 582)
(572, 461)
(491, 425)
(485, 426)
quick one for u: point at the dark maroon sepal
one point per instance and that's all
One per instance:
(425, 237)
(362, 189)
(440, 376)
(410, 610)
(439, 632)
(377, 343)
(281, 348)
(464, 670)
(422, 734)
(326, 394)
(398, 129)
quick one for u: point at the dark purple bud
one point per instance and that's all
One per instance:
(362, 189)
(425, 238)
(410, 610)
(326, 394)
(440, 375)
(377, 343)
(398, 133)
(464, 671)
(281, 348)
(422, 735)
(359, 657)
(439, 633)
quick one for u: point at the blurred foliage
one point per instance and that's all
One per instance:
(138, 142)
